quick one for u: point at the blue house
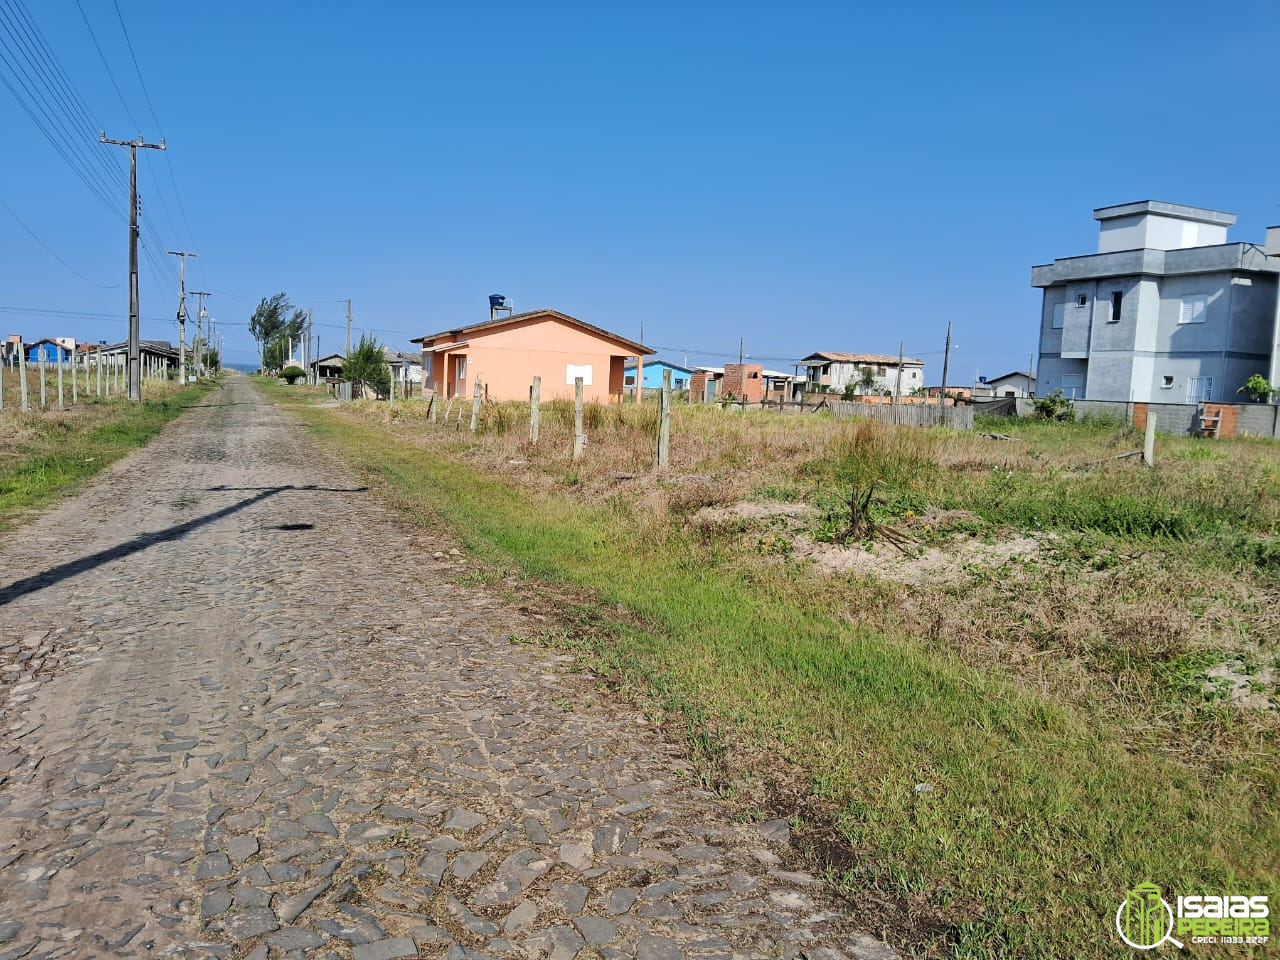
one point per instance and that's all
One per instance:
(50, 351)
(653, 375)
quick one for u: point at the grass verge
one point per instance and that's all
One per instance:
(47, 453)
(1011, 817)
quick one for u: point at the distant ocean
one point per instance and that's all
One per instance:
(242, 367)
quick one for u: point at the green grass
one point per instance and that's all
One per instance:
(1038, 818)
(53, 453)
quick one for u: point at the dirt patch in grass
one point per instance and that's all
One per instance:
(951, 563)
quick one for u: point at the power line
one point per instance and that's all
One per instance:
(103, 57)
(49, 250)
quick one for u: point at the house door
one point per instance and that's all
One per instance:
(459, 376)
(1199, 389)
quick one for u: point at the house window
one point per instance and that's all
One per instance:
(1073, 385)
(1059, 316)
(1166, 382)
(1082, 300)
(682, 384)
(630, 380)
(1117, 301)
(1195, 308)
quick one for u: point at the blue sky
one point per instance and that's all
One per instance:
(807, 176)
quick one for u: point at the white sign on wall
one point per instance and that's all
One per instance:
(572, 371)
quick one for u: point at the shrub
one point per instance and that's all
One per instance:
(1056, 406)
(292, 374)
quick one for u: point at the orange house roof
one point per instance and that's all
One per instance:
(488, 326)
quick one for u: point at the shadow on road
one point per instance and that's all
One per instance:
(71, 568)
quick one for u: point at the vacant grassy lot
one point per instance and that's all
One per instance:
(1059, 683)
(44, 453)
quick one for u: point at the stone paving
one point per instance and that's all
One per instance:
(247, 712)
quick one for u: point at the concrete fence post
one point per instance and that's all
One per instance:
(579, 438)
(535, 410)
(476, 395)
(22, 378)
(1149, 441)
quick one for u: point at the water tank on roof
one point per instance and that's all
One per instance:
(497, 300)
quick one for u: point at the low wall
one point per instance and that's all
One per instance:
(906, 414)
(1235, 419)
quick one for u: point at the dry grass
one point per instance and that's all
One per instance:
(1071, 703)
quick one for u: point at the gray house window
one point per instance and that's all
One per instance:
(1059, 316)
(1117, 301)
(1195, 308)
(1082, 300)
(1166, 382)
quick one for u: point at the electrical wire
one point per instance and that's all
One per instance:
(49, 250)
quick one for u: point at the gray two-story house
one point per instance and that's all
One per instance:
(1167, 311)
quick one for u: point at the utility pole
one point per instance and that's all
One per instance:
(307, 359)
(946, 361)
(741, 355)
(135, 361)
(348, 353)
(897, 387)
(182, 310)
(198, 361)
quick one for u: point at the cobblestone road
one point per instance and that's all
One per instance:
(248, 713)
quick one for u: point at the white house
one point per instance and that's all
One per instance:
(1020, 383)
(826, 370)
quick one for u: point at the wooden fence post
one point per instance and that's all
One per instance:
(431, 408)
(476, 395)
(1149, 441)
(44, 399)
(22, 377)
(61, 405)
(579, 438)
(98, 358)
(1, 383)
(448, 410)
(664, 420)
(75, 383)
(535, 410)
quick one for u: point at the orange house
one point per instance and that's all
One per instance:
(505, 353)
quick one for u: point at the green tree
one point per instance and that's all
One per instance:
(1257, 388)
(867, 382)
(274, 323)
(212, 360)
(368, 364)
(1056, 406)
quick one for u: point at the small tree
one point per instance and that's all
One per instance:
(292, 374)
(867, 382)
(368, 364)
(1257, 388)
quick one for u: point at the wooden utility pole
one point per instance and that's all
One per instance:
(348, 353)
(197, 360)
(897, 387)
(307, 358)
(664, 421)
(182, 310)
(535, 409)
(135, 358)
(579, 438)
(946, 362)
